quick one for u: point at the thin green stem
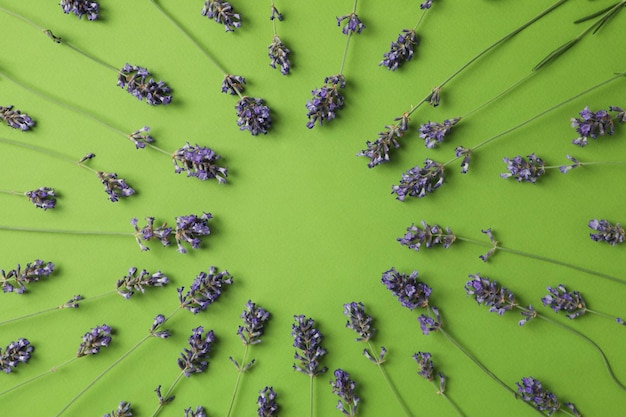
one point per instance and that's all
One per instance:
(345, 50)
(310, 395)
(240, 371)
(28, 381)
(12, 192)
(390, 384)
(169, 391)
(64, 232)
(600, 314)
(420, 19)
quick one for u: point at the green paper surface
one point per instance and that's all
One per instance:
(303, 225)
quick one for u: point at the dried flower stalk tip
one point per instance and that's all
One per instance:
(16, 279)
(266, 402)
(359, 321)
(205, 290)
(591, 125)
(199, 412)
(123, 410)
(115, 187)
(407, 289)
(401, 50)
(93, 340)
(524, 170)
(254, 319)
(194, 359)
(607, 232)
(279, 55)
(15, 353)
(345, 389)
(222, 12)
(199, 162)
(308, 343)
(43, 197)
(425, 363)
(434, 133)
(569, 301)
(326, 101)
(419, 182)
(15, 118)
(378, 151)
(427, 236)
(140, 137)
(141, 85)
(81, 7)
(132, 282)
(531, 391)
(233, 84)
(352, 24)
(429, 324)
(253, 115)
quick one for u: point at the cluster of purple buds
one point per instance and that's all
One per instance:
(149, 232)
(466, 154)
(428, 236)
(222, 12)
(233, 84)
(591, 125)
(140, 137)
(359, 321)
(427, 370)
(575, 164)
(205, 289)
(253, 115)
(15, 118)
(407, 289)
(352, 24)
(81, 7)
(345, 389)
(487, 292)
(200, 162)
(419, 182)
(190, 229)
(194, 359)
(524, 170)
(569, 301)
(254, 319)
(401, 50)
(198, 412)
(43, 197)
(434, 133)
(72, 302)
(378, 151)
(123, 410)
(308, 343)
(435, 97)
(430, 323)
(115, 187)
(266, 402)
(155, 329)
(129, 284)
(138, 82)
(607, 232)
(163, 400)
(279, 55)
(98, 337)
(15, 353)
(531, 391)
(16, 279)
(326, 101)
(426, 4)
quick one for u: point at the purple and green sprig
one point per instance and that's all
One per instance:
(16, 119)
(277, 51)
(80, 8)
(222, 12)
(345, 388)
(572, 304)
(189, 229)
(531, 391)
(266, 402)
(307, 340)
(15, 353)
(593, 124)
(198, 412)
(15, 280)
(205, 290)
(426, 369)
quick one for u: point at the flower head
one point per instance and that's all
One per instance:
(16, 279)
(81, 7)
(123, 410)
(222, 12)
(575, 164)
(569, 301)
(279, 55)
(308, 343)
(190, 229)
(407, 289)
(194, 359)
(141, 85)
(434, 133)
(428, 236)
(524, 170)
(15, 118)
(149, 232)
(326, 101)
(426, 4)
(95, 339)
(345, 389)
(254, 319)
(140, 137)
(115, 187)
(487, 292)
(73, 302)
(253, 115)
(200, 162)
(132, 282)
(435, 97)
(419, 182)
(591, 125)
(425, 363)
(359, 321)
(267, 403)
(531, 391)
(378, 151)
(352, 24)
(43, 197)
(205, 290)
(466, 154)
(199, 412)
(607, 232)
(233, 84)
(401, 50)
(429, 323)
(155, 331)
(15, 353)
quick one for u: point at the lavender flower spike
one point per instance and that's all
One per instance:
(426, 4)
(267, 403)
(308, 343)
(490, 294)
(378, 151)
(401, 50)
(15, 353)
(130, 283)
(254, 319)
(141, 85)
(427, 236)
(419, 182)
(200, 162)
(155, 331)
(115, 187)
(15, 118)
(43, 197)
(352, 24)
(253, 115)
(33, 272)
(141, 137)
(531, 391)
(205, 290)
(359, 321)
(81, 7)
(326, 101)
(233, 84)
(95, 339)
(430, 324)
(569, 301)
(190, 229)
(222, 12)
(607, 232)
(279, 55)
(425, 363)
(123, 410)
(345, 389)
(523, 170)
(591, 125)
(149, 232)
(194, 359)
(434, 133)
(199, 412)
(407, 289)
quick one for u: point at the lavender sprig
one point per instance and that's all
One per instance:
(15, 353)
(205, 290)
(253, 115)
(115, 187)
(199, 412)
(345, 389)
(150, 232)
(190, 229)
(199, 162)
(407, 289)
(326, 101)
(233, 84)
(15, 118)
(140, 84)
(378, 151)
(427, 236)
(359, 321)
(130, 283)
(279, 55)
(88, 8)
(531, 391)
(266, 402)
(427, 371)
(401, 50)
(605, 231)
(592, 125)
(572, 303)
(123, 410)
(307, 340)
(95, 339)
(15, 280)
(351, 24)
(194, 359)
(43, 197)
(222, 12)
(434, 133)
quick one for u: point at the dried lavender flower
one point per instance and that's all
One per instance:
(308, 343)
(275, 14)
(487, 292)
(200, 162)
(279, 55)
(434, 133)
(524, 170)
(591, 125)
(43, 197)
(620, 117)
(401, 50)
(140, 137)
(16, 279)
(268, 407)
(378, 151)
(132, 282)
(359, 321)
(195, 358)
(123, 410)
(115, 187)
(199, 412)
(326, 101)
(430, 324)
(466, 154)
(163, 400)
(253, 115)
(138, 82)
(345, 389)
(190, 229)
(149, 232)
(435, 97)
(425, 363)
(15, 353)
(15, 118)
(531, 391)
(352, 24)
(494, 245)
(428, 236)
(81, 7)
(426, 4)
(407, 289)
(569, 301)
(155, 331)
(607, 232)
(72, 302)
(233, 84)
(93, 340)
(575, 164)
(222, 12)
(254, 319)
(205, 290)
(419, 182)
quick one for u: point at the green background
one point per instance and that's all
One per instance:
(303, 225)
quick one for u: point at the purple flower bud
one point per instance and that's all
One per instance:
(132, 282)
(426, 368)
(194, 359)
(426, 4)
(531, 391)
(199, 412)
(123, 410)
(607, 232)
(15, 353)
(95, 339)
(233, 84)
(149, 232)
(522, 170)
(466, 153)
(205, 290)
(200, 162)
(254, 319)
(138, 82)
(591, 125)
(435, 97)
(407, 289)
(575, 164)
(72, 302)
(267, 403)
(80, 8)
(190, 229)
(430, 324)
(434, 133)
(352, 24)
(359, 321)
(279, 55)
(140, 137)
(155, 331)
(490, 294)
(308, 343)
(419, 182)
(222, 12)
(401, 50)
(44, 197)
(115, 187)
(15, 118)
(569, 301)
(253, 115)
(378, 151)
(428, 236)
(16, 279)
(345, 389)
(326, 101)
